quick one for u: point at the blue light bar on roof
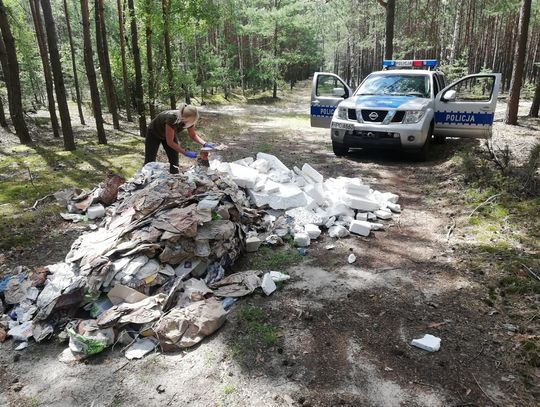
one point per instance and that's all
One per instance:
(409, 63)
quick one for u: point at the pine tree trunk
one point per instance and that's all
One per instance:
(127, 91)
(104, 62)
(43, 52)
(168, 58)
(536, 100)
(519, 59)
(91, 72)
(52, 40)
(138, 75)
(11, 71)
(274, 91)
(149, 60)
(74, 65)
(389, 30)
(3, 121)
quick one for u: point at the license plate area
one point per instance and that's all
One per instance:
(343, 126)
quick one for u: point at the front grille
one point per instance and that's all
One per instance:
(377, 116)
(398, 117)
(351, 113)
(373, 134)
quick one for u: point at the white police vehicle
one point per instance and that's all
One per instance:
(405, 105)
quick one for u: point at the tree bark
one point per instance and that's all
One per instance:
(390, 6)
(52, 40)
(519, 59)
(168, 57)
(11, 71)
(149, 59)
(74, 65)
(3, 121)
(104, 63)
(138, 75)
(91, 72)
(127, 91)
(536, 99)
(43, 52)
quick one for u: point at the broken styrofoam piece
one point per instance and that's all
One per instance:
(260, 184)
(252, 244)
(302, 216)
(316, 192)
(339, 209)
(361, 216)
(360, 227)
(140, 348)
(261, 165)
(280, 176)
(338, 231)
(278, 276)
(289, 196)
(268, 285)
(312, 230)
(390, 197)
(376, 226)
(371, 216)
(301, 239)
(357, 202)
(300, 182)
(312, 173)
(246, 162)
(275, 163)
(271, 187)
(393, 207)
(95, 211)
(382, 214)
(357, 189)
(428, 342)
(331, 220)
(351, 259)
(345, 220)
(244, 177)
(22, 345)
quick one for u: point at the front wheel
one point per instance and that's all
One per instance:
(423, 153)
(339, 149)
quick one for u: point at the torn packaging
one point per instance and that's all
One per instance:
(186, 327)
(238, 284)
(141, 312)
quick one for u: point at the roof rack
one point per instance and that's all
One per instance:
(428, 64)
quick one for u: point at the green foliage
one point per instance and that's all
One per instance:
(268, 258)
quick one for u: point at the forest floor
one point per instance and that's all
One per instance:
(335, 334)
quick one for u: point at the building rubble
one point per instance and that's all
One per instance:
(152, 273)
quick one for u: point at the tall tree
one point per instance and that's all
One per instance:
(168, 57)
(52, 40)
(43, 52)
(121, 32)
(91, 72)
(519, 59)
(390, 6)
(74, 64)
(150, 59)
(104, 62)
(11, 71)
(3, 121)
(535, 106)
(139, 98)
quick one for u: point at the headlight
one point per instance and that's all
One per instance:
(413, 116)
(342, 113)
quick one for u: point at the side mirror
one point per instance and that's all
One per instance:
(449, 96)
(338, 92)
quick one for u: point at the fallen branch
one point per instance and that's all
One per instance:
(532, 272)
(485, 394)
(450, 230)
(491, 198)
(40, 201)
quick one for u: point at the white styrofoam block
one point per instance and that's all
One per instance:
(268, 285)
(339, 209)
(371, 216)
(316, 192)
(275, 163)
(361, 216)
(360, 227)
(357, 202)
(289, 196)
(393, 207)
(246, 162)
(271, 187)
(354, 189)
(338, 231)
(252, 244)
(390, 197)
(301, 239)
(261, 165)
(428, 342)
(312, 173)
(376, 226)
(279, 176)
(345, 219)
(310, 203)
(95, 211)
(382, 214)
(244, 177)
(331, 220)
(300, 182)
(303, 216)
(260, 184)
(312, 230)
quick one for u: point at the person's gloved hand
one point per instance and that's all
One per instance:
(209, 145)
(190, 154)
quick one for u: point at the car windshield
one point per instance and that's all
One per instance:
(395, 85)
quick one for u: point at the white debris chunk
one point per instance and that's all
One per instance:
(371, 216)
(252, 244)
(289, 196)
(382, 214)
(390, 197)
(376, 226)
(312, 173)
(339, 209)
(352, 258)
(244, 177)
(357, 189)
(95, 211)
(301, 239)
(271, 187)
(360, 227)
(357, 202)
(246, 162)
(278, 276)
(428, 342)
(331, 220)
(393, 207)
(140, 348)
(300, 182)
(361, 216)
(316, 192)
(261, 165)
(268, 285)
(312, 230)
(304, 216)
(338, 231)
(345, 220)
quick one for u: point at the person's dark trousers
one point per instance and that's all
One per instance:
(151, 147)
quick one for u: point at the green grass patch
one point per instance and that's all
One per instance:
(530, 350)
(268, 258)
(228, 389)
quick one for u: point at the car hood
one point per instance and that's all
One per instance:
(387, 102)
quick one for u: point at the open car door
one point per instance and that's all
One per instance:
(466, 107)
(328, 90)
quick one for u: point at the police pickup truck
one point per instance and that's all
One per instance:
(405, 105)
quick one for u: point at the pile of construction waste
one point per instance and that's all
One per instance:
(153, 272)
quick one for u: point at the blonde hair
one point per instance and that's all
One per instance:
(188, 111)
